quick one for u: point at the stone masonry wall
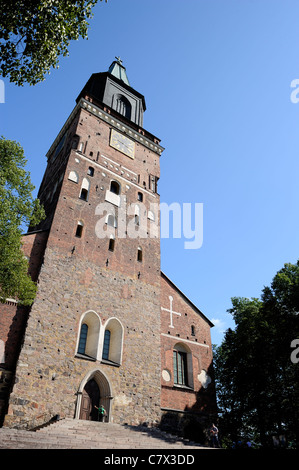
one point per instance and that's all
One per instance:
(68, 287)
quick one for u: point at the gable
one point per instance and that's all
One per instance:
(169, 286)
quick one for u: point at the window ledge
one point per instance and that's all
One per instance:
(110, 363)
(85, 357)
(185, 388)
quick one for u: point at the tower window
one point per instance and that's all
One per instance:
(192, 330)
(73, 176)
(84, 189)
(84, 194)
(111, 244)
(140, 197)
(79, 229)
(151, 215)
(115, 187)
(122, 105)
(153, 180)
(139, 254)
(75, 141)
(90, 171)
(111, 220)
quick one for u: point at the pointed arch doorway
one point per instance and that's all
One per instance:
(94, 390)
(90, 399)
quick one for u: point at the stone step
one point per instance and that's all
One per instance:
(80, 434)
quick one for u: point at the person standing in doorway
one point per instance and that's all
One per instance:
(101, 412)
(214, 435)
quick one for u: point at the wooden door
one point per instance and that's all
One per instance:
(90, 398)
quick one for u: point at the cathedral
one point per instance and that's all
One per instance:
(107, 327)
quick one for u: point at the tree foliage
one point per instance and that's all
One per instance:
(258, 384)
(34, 33)
(17, 208)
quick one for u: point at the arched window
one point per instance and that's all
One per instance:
(73, 176)
(88, 339)
(111, 244)
(137, 215)
(151, 216)
(113, 193)
(83, 339)
(85, 189)
(113, 341)
(79, 229)
(106, 345)
(122, 105)
(182, 365)
(111, 220)
(139, 254)
(115, 187)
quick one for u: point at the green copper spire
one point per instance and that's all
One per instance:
(118, 70)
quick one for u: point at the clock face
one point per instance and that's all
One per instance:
(122, 143)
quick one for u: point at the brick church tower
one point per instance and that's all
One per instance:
(93, 334)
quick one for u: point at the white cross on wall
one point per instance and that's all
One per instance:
(171, 311)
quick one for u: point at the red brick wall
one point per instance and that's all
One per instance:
(12, 320)
(108, 164)
(34, 245)
(195, 397)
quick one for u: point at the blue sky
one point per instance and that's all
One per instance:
(216, 76)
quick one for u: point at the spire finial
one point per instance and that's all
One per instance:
(118, 70)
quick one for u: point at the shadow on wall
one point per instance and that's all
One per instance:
(194, 422)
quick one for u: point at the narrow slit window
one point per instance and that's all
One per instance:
(111, 244)
(83, 339)
(84, 189)
(79, 229)
(106, 345)
(139, 254)
(111, 220)
(180, 367)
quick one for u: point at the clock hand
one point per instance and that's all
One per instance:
(122, 143)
